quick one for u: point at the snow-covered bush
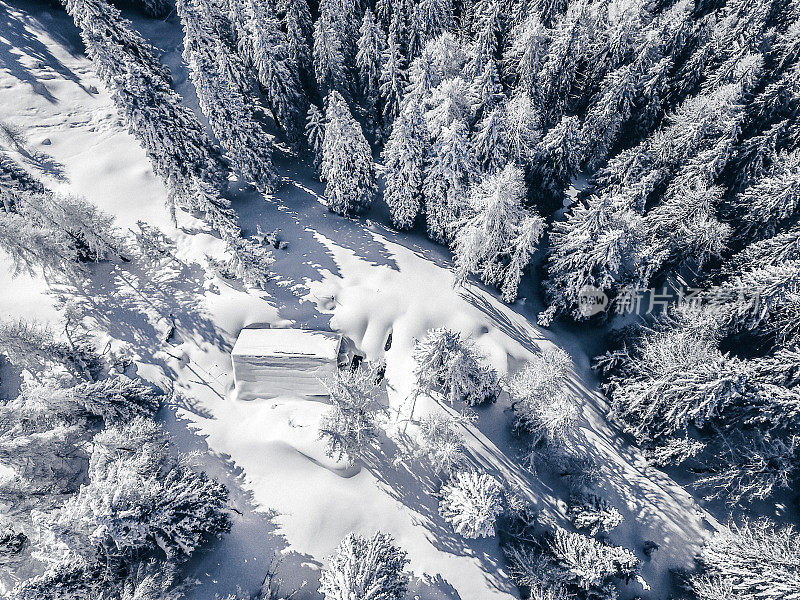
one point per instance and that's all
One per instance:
(445, 361)
(595, 515)
(365, 569)
(498, 236)
(350, 425)
(752, 561)
(539, 398)
(440, 443)
(471, 503)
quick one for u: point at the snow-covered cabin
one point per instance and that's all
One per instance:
(284, 362)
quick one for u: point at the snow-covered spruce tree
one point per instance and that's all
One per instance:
(440, 444)
(557, 156)
(446, 362)
(491, 140)
(329, 64)
(587, 564)
(447, 104)
(404, 164)
(315, 134)
(365, 569)
(35, 249)
(216, 74)
(486, 92)
(471, 503)
(175, 142)
(451, 169)
(392, 74)
(522, 129)
(140, 501)
(429, 19)
(347, 167)
(14, 180)
(772, 200)
(265, 48)
(598, 245)
(351, 423)
(527, 53)
(539, 398)
(498, 236)
(594, 515)
(299, 37)
(755, 560)
(369, 60)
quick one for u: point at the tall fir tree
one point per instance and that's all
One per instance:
(347, 167)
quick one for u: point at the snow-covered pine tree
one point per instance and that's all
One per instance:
(451, 169)
(498, 236)
(527, 53)
(557, 156)
(154, 8)
(440, 443)
(178, 148)
(140, 500)
(404, 164)
(491, 140)
(392, 74)
(299, 37)
(598, 245)
(772, 200)
(346, 160)
(429, 19)
(447, 103)
(471, 503)
(523, 131)
(369, 60)
(539, 398)
(329, 65)
(754, 560)
(362, 567)
(216, 74)
(315, 133)
(486, 91)
(265, 47)
(452, 365)
(351, 423)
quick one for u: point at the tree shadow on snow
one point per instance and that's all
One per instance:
(18, 41)
(254, 546)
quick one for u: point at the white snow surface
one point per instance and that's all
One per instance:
(357, 277)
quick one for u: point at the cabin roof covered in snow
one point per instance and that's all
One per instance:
(288, 343)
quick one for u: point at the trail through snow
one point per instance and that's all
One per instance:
(353, 276)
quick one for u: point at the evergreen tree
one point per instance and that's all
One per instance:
(266, 48)
(404, 162)
(178, 148)
(496, 241)
(429, 19)
(451, 168)
(346, 160)
(369, 59)
(315, 133)
(491, 141)
(329, 65)
(522, 126)
(216, 73)
(527, 53)
(392, 74)
(471, 504)
(557, 157)
(487, 92)
(364, 568)
(299, 36)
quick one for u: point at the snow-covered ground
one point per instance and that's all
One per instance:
(357, 277)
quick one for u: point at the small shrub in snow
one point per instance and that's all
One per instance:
(472, 503)
(440, 443)
(365, 569)
(595, 515)
(539, 400)
(452, 364)
(754, 561)
(351, 423)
